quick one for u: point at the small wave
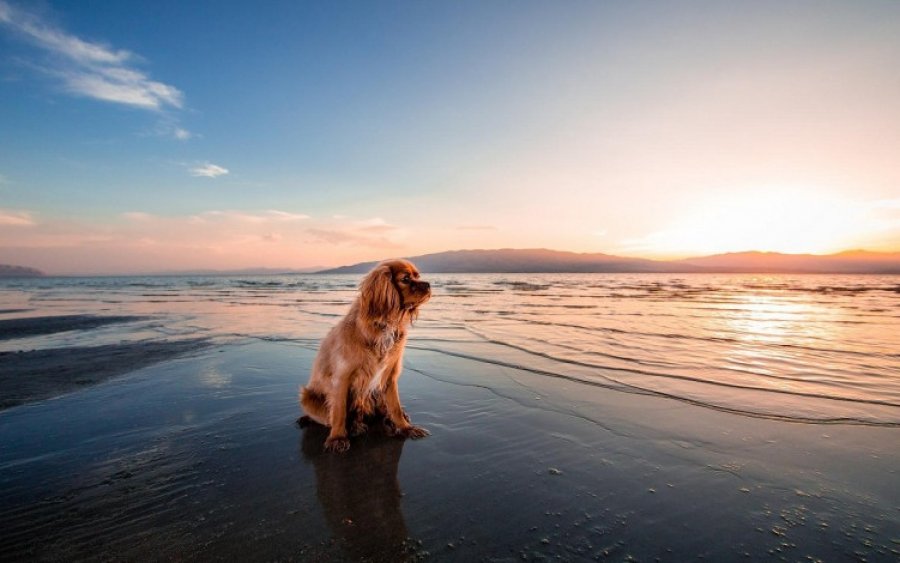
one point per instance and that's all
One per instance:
(523, 286)
(462, 288)
(257, 283)
(685, 377)
(727, 339)
(616, 385)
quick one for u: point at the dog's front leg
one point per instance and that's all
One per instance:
(337, 416)
(363, 406)
(395, 414)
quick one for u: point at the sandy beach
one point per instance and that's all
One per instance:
(200, 457)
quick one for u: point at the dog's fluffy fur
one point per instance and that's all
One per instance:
(356, 370)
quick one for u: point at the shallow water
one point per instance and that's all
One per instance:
(573, 418)
(809, 348)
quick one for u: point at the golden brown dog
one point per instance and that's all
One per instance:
(360, 359)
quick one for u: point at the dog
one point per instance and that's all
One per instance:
(360, 359)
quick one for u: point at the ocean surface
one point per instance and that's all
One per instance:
(804, 348)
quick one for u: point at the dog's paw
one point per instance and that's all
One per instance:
(414, 432)
(389, 427)
(339, 444)
(359, 428)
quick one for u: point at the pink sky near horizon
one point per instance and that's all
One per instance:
(774, 219)
(221, 240)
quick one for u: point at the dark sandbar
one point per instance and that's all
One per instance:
(36, 326)
(41, 374)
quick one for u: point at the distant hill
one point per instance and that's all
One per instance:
(9, 271)
(509, 260)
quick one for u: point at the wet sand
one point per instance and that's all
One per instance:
(41, 374)
(200, 458)
(32, 326)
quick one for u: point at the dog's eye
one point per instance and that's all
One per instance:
(405, 279)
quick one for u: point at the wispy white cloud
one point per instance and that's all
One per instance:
(57, 40)
(123, 86)
(15, 218)
(168, 127)
(91, 69)
(272, 216)
(181, 134)
(245, 217)
(285, 216)
(208, 170)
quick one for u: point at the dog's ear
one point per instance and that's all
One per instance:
(377, 295)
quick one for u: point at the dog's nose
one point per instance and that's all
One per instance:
(426, 286)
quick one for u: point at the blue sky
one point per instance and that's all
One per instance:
(165, 135)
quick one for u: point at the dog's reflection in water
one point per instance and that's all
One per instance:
(359, 492)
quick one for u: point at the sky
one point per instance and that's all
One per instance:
(165, 136)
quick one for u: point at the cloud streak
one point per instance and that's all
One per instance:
(271, 215)
(13, 218)
(208, 170)
(372, 233)
(91, 69)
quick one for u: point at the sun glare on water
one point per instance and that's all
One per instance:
(772, 220)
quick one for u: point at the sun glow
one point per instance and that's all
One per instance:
(773, 220)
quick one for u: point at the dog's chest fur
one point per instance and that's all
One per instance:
(386, 340)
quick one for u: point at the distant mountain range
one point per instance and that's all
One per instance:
(9, 271)
(541, 260)
(849, 262)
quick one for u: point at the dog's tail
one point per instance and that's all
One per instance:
(314, 405)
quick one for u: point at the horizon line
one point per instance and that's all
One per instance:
(266, 270)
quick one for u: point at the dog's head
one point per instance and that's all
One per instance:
(392, 288)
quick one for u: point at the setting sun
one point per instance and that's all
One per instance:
(767, 219)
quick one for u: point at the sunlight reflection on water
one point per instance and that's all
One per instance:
(801, 347)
